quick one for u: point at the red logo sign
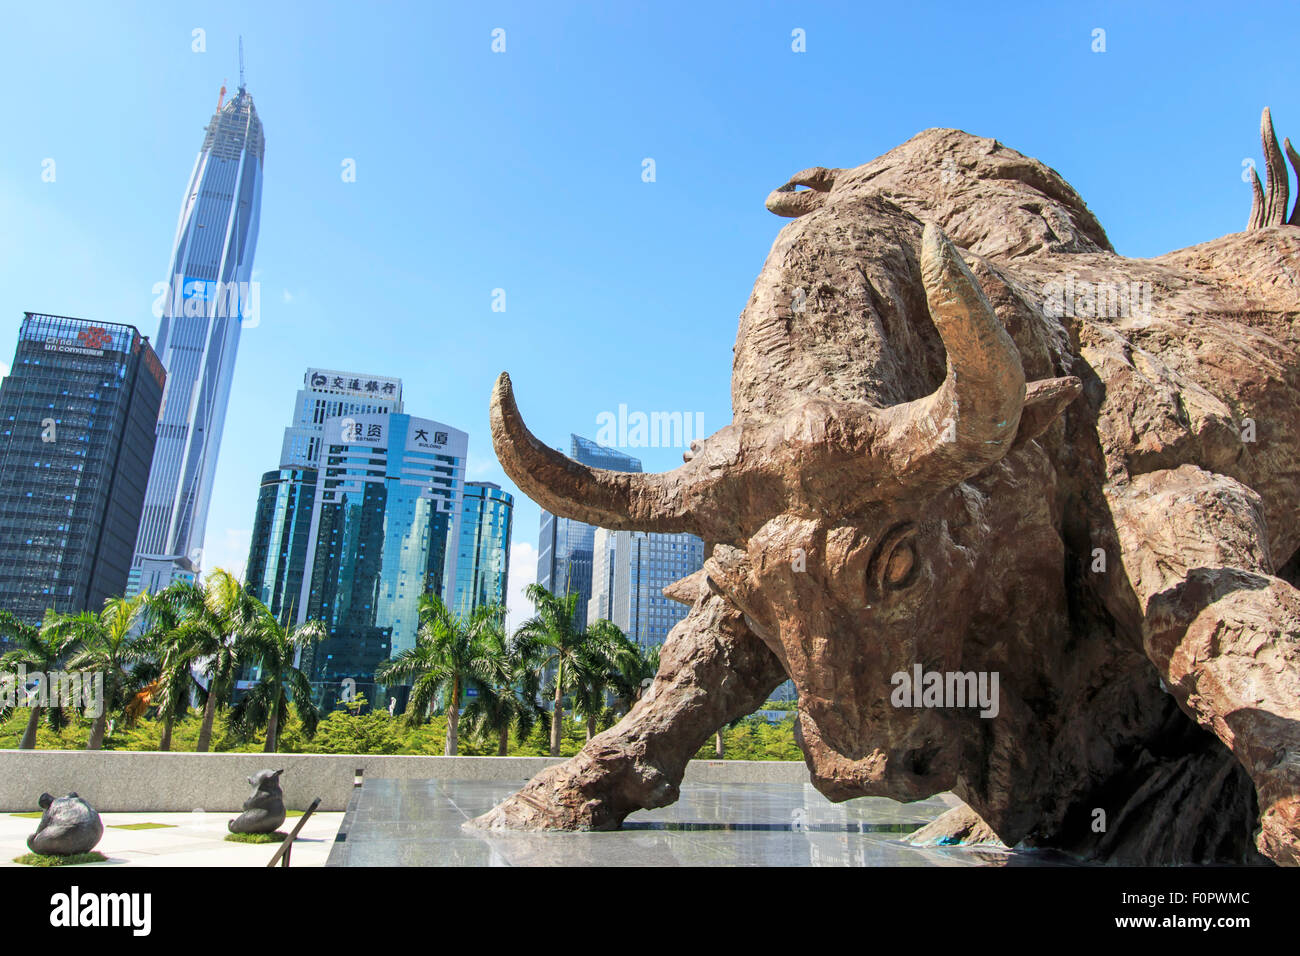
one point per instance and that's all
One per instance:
(95, 338)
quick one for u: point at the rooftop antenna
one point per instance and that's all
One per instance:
(241, 64)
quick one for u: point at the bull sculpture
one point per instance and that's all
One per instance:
(970, 439)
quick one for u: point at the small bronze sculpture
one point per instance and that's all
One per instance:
(264, 809)
(68, 826)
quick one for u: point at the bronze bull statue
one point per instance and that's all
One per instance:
(970, 439)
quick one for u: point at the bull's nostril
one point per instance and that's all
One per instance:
(918, 761)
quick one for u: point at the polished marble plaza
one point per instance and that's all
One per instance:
(420, 823)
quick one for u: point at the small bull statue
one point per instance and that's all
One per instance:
(264, 809)
(69, 825)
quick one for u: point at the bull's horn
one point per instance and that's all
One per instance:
(1275, 198)
(608, 499)
(791, 202)
(1256, 220)
(972, 419)
(1295, 164)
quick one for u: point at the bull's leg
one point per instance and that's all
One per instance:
(1221, 629)
(712, 671)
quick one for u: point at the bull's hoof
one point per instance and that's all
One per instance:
(525, 811)
(960, 826)
(1279, 833)
(593, 791)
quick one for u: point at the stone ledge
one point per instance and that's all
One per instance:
(152, 781)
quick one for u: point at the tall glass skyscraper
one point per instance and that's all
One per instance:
(209, 296)
(388, 505)
(277, 552)
(564, 546)
(483, 549)
(77, 416)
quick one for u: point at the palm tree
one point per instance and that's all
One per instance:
(634, 672)
(508, 688)
(274, 647)
(441, 665)
(39, 650)
(213, 633)
(552, 638)
(103, 642)
(597, 671)
(171, 646)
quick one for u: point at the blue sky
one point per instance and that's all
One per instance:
(522, 171)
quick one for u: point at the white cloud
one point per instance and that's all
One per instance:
(230, 553)
(478, 468)
(523, 572)
(287, 296)
(4, 370)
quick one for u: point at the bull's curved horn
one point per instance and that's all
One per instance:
(609, 499)
(971, 420)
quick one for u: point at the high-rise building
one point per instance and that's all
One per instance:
(209, 295)
(483, 549)
(330, 394)
(77, 415)
(277, 553)
(387, 515)
(564, 547)
(631, 570)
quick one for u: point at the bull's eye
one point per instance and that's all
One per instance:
(900, 565)
(896, 561)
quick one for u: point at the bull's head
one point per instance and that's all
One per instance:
(832, 522)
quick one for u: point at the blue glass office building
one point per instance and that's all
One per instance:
(277, 553)
(388, 499)
(482, 559)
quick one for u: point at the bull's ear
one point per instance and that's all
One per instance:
(689, 589)
(1045, 400)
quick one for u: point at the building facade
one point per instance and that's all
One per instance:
(387, 512)
(325, 394)
(483, 548)
(209, 295)
(77, 416)
(632, 569)
(565, 546)
(277, 552)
